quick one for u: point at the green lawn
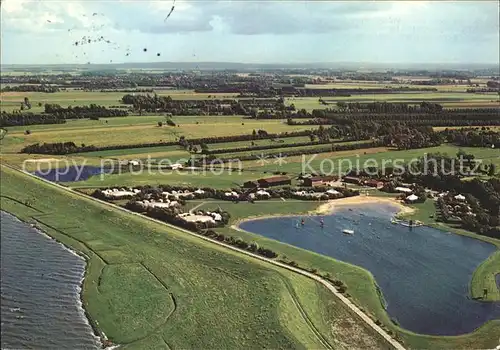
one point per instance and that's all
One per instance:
(149, 286)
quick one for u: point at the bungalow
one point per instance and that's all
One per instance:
(319, 181)
(403, 189)
(263, 194)
(274, 181)
(353, 180)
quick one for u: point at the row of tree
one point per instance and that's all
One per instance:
(91, 111)
(31, 88)
(28, 118)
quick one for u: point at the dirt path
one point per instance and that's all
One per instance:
(324, 282)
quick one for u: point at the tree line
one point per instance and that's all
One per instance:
(32, 88)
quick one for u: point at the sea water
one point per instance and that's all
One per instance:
(40, 292)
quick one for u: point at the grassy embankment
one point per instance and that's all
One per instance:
(149, 286)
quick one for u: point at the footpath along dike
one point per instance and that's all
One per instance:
(395, 344)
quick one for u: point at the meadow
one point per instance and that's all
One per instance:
(134, 129)
(12, 100)
(147, 285)
(447, 99)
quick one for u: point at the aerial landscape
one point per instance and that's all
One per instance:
(244, 175)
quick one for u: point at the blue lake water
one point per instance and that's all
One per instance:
(40, 292)
(71, 173)
(423, 273)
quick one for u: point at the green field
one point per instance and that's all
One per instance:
(135, 130)
(12, 100)
(152, 286)
(447, 99)
(368, 157)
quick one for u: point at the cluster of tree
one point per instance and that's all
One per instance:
(472, 137)
(20, 119)
(92, 111)
(479, 117)
(165, 104)
(58, 148)
(388, 107)
(480, 212)
(482, 90)
(31, 88)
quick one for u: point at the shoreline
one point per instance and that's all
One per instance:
(330, 206)
(96, 332)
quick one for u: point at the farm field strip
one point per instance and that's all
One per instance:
(127, 134)
(285, 149)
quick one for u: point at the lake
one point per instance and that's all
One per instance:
(71, 173)
(423, 273)
(40, 292)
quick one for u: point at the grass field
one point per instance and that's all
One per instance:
(447, 99)
(343, 160)
(151, 286)
(134, 129)
(382, 85)
(11, 100)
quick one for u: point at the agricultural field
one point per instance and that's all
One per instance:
(11, 100)
(447, 99)
(134, 129)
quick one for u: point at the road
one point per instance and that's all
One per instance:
(324, 282)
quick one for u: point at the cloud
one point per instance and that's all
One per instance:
(238, 30)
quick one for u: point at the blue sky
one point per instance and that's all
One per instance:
(44, 31)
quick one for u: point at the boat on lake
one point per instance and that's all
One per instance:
(348, 232)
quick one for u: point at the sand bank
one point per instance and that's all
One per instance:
(330, 206)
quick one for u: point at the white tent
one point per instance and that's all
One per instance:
(412, 198)
(403, 189)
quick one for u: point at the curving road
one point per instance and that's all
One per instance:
(324, 282)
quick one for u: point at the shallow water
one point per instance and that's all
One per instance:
(424, 273)
(40, 292)
(71, 173)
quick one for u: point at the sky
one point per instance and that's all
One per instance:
(45, 31)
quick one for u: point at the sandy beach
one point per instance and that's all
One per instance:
(329, 207)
